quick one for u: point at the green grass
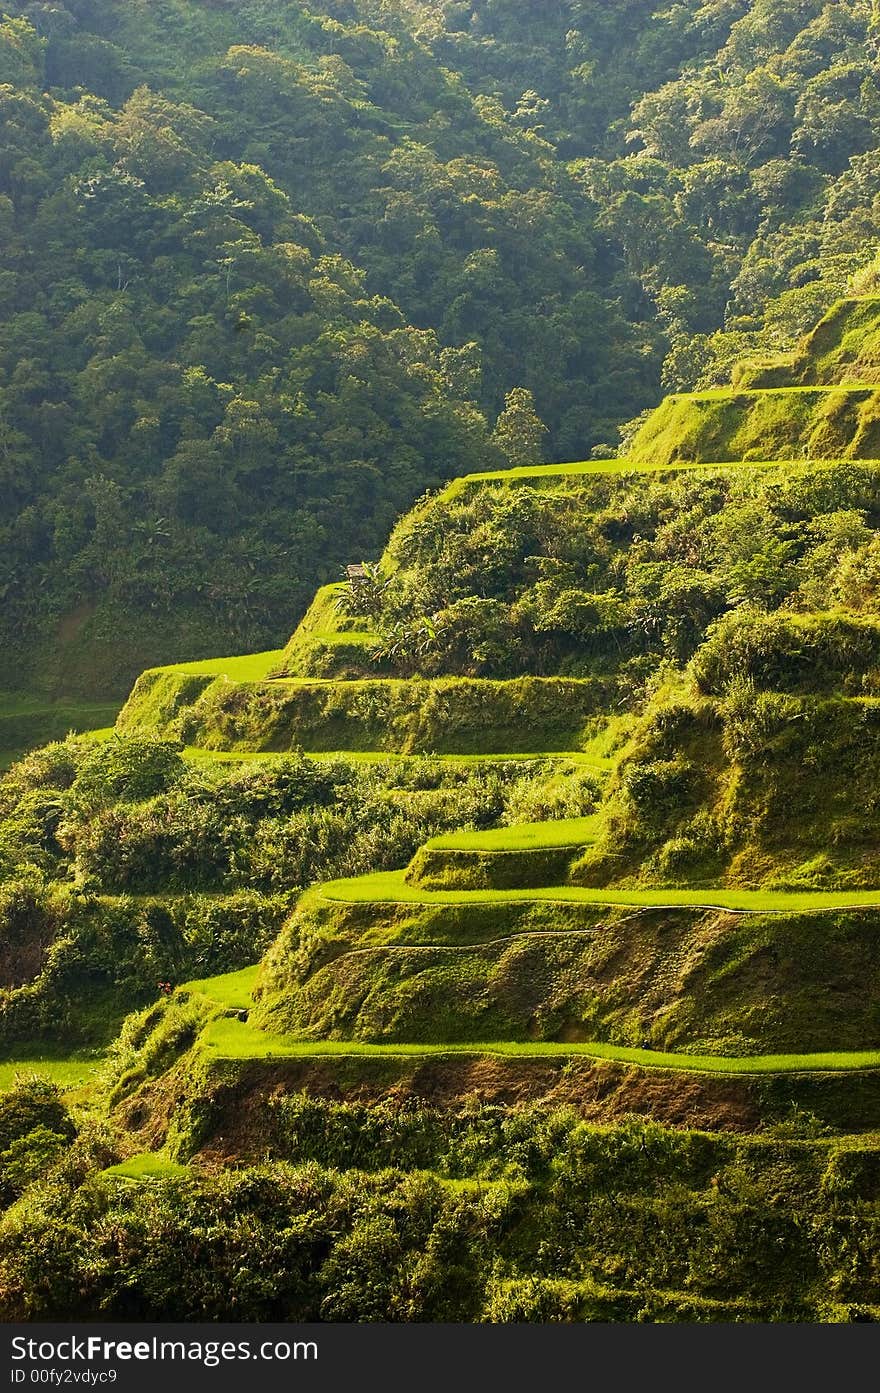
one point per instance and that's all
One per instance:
(340, 637)
(149, 1165)
(619, 465)
(101, 734)
(526, 836)
(232, 989)
(67, 1071)
(389, 887)
(235, 1040)
(197, 755)
(252, 667)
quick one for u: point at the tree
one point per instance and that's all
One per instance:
(519, 430)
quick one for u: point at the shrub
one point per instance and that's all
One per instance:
(128, 770)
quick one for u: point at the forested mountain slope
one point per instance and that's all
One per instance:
(270, 271)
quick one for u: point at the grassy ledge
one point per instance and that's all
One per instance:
(391, 888)
(67, 1071)
(229, 1039)
(620, 465)
(251, 667)
(195, 754)
(148, 1165)
(231, 989)
(526, 836)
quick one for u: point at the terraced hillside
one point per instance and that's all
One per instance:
(675, 656)
(694, 914)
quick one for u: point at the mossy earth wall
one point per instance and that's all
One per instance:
(458, 715)
(819, 402)
(667, 979)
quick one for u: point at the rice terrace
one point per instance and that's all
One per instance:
(496, 937)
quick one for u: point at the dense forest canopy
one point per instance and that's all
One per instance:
(268, 273)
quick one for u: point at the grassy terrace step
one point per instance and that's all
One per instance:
(623, 465)
(231, 989)
(528, 854)
(196, 755)
(448, 715)
(781, 423)
(524, 836)
(229, 1038)
(233, 1039)
(147, 1165)
(250, 667)
(327, 642)
(620, 465)
(67, 1071)
(392, 888)
(844, 347)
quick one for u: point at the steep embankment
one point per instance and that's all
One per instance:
(719, 905)
(674, 918)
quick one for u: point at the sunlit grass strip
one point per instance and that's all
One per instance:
(620, 465)
(67, 1072)
(390, 888)
(148, 1165)
(252, 667)
(526, 836)
(232, 989)
(233, 1040)
(196, 754)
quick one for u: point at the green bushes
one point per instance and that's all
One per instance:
(346, 657)
(35, 1130)
(790, 653)
(277, 827)
(215, 852)
(31, 1105)
(292, 1245)
(591, 574)
(127, 771)
(83, 962)
(31, 915)
(395, 1213)
(659, 789)
(750, 788)
(158, 696)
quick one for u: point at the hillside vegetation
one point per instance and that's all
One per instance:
(503, 946)
(587, 834)
(235, 347)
